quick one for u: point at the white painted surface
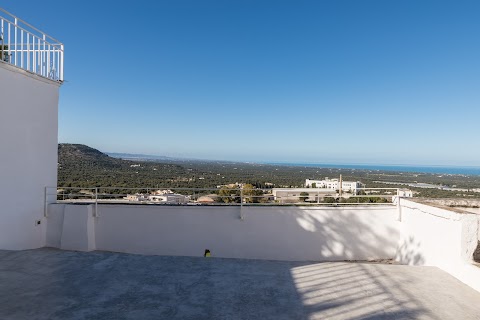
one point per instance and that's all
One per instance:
(55, 225)
(78, 229)
(437, 237)
(28, 155)
(278, 233)
(425, 236)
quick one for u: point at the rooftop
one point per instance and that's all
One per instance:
(55, 284)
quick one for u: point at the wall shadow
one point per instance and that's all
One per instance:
(349, 290)
(408, 252)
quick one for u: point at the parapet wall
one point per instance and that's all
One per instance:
(413, 233)
(438, 237)
(274, 233)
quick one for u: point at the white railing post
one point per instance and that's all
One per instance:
(60, 67)
(9, 45)
(28, 51)
(241, 204)
(399, 208)
(21, 49)
(96, 203)
(15, 40)
(44, 58)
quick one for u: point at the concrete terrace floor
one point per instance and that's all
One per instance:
(54, 284)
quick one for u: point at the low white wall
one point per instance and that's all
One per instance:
(28, 155)
(277, 233)
(437, 237)
(425, 235)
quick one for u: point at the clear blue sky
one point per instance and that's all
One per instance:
(392, 82)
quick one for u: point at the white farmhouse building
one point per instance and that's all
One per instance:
(407, 193)
(170, 198)
(333, 184)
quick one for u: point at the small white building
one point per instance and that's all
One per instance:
(161, 192)
(406, 193)
(334, 184)
(135, 197)
(170, 198)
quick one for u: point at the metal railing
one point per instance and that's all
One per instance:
(30, 49)
(223, 196)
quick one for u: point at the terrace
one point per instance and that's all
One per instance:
(53, 284)
(71, 258)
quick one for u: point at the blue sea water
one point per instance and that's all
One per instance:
(398, 168)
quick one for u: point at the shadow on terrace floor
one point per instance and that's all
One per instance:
(345, 290)
(54, 284)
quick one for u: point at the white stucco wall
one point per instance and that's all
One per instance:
(437, 237)
(278, 233)
(425, 235)
(28, 155)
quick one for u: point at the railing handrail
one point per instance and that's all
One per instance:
(27, 24)
(237, 196)
(26, 47)
(207, 188)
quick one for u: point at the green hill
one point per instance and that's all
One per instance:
(82, 166)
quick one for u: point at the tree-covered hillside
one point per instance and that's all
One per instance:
(82, 166)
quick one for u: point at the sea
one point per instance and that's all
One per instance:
(454, 170)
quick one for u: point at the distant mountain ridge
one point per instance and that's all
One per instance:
(79, 155)
(82, 166)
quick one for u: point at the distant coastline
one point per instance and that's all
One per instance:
(397, 168)
(453, 170)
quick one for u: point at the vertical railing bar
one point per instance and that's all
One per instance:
(15, 40)
(49, 67)
(34, 53)
(54, 64)
(21, 48)
(9, 44)
(61, 63)
(39, 62)
(28, 51)
(44, 66)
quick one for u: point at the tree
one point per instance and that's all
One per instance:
(250, 194)
(314, 185)
(329, 200)
(303, 196)
(229, 195)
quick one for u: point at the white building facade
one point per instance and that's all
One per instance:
(334, 184)
(30, 79)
